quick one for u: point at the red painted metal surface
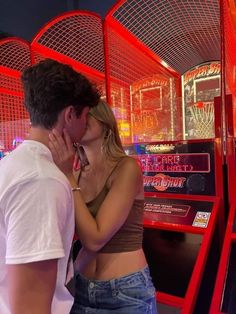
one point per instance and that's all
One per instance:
(229, 61)
(187, 303)
(223, 265)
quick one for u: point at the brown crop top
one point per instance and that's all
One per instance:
(129, 237)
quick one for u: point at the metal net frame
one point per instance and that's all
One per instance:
(182, 33)
(75, 38)
(14, 119)
(133, 70)
(171, 37)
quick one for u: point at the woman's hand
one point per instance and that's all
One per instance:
(62, 150)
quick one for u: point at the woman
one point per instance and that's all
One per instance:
(112, 272)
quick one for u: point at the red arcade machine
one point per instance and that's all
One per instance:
(14, 120)
(74, 38)
(176, 140)
(223, 300)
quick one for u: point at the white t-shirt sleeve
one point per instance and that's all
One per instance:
(35, 217)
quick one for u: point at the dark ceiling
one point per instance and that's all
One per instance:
(24, 18)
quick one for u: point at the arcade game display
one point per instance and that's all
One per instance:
(182, 217)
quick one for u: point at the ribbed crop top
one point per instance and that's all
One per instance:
(129, 237)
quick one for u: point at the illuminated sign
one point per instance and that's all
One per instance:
(202, 71)
(192, 162)
(155, 80)
(162, 182)
(159, 148)
(178, 167)
(124, 128)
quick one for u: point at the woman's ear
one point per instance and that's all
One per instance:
(107, 133)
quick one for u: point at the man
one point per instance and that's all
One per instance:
(36, 202)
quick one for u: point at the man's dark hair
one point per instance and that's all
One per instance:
(51, 86)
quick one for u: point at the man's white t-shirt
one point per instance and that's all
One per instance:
(36, 217)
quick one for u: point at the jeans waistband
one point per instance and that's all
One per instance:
(142, 274)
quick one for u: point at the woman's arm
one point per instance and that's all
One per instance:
(95, 233)
(83, 258)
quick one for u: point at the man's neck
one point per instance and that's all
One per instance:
(39, 134)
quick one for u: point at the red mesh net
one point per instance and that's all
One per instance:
(143, 93)
(128, 63)
(77, 36)
(77, 39)
(178, 35)
(183, 33)
(10, 83)
(14, 54)
(37, 56)
(14, 120)
(14, 123)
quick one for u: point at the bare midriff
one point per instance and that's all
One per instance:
(107, 266)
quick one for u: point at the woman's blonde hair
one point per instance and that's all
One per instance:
(112, 146)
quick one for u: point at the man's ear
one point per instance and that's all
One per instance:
(69, 114)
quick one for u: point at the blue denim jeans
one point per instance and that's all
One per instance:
(131, 294)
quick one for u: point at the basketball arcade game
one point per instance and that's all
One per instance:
(14, 120)
(183, 191)
(182, 215)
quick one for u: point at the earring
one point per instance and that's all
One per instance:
(108, 134)
(76, 145)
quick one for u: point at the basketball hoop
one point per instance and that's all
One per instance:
(203, 119)
(199, 104)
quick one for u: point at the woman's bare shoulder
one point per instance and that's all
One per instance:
(130, 165)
